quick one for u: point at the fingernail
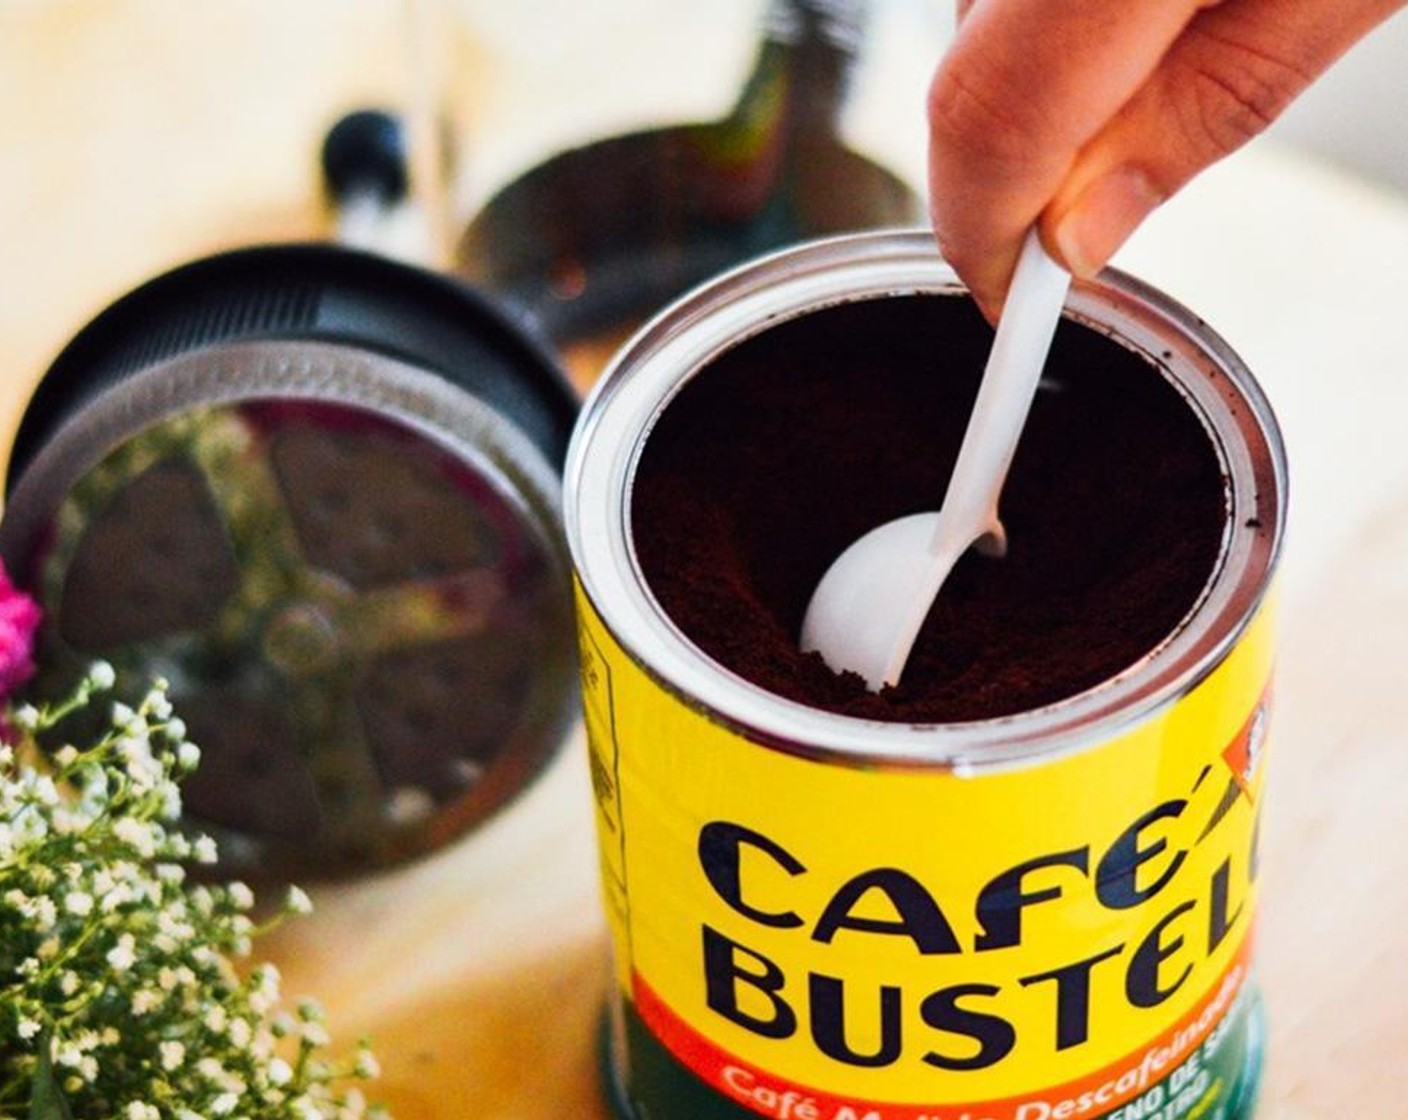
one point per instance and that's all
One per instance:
(1102, 219)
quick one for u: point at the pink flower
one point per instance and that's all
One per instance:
(19, 619)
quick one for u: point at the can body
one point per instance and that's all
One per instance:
(1037, 918)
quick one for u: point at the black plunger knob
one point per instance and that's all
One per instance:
(365, 152)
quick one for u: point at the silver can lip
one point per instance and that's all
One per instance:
(688, 336)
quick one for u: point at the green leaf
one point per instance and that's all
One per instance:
(46, 1099)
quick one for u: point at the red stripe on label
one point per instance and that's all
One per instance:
(771, 1095)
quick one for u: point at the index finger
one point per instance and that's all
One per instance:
(1025, 85)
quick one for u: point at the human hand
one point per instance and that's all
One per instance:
(1084, 116)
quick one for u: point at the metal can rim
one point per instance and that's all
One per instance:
(686, 336)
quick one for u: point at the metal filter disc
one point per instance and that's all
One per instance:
(348, 570)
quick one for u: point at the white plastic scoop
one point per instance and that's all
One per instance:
(867, 610)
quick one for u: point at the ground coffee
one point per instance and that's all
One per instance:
(795, 442)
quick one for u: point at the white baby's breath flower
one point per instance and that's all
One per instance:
(264, 1047)
(187, 754)
(122, 956)
(65, 821)
(173, 1055)
(120, 895)
(138, 834)
(78, 903)
(268, 978)
(146, 1000)
(315, 1034)
(204, 850)
(367, 1065)
(264, 993)
(101, 676)
(27, 1029)
(134, 746)
(45, 913)
(95, 787)
(298, 901)
(174, 926)
(280, 1072)
(224, 1104)
(239, 1032)
(26, 717)
(44, 791)
(241, 897)
(306, 1109)
(66, 755)
(31, 827)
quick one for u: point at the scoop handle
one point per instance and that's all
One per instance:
(1014, 366)
(1015, 362)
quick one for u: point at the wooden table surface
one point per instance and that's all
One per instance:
(141, 133)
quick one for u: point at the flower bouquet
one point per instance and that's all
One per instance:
(126, 989)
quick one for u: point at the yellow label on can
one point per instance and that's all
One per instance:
(1044, 941)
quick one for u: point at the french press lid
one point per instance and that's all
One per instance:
(318, 492)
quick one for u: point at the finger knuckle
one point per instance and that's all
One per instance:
(973, 118)
(1235, 90)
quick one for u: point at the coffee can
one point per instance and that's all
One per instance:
(1040, 914)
